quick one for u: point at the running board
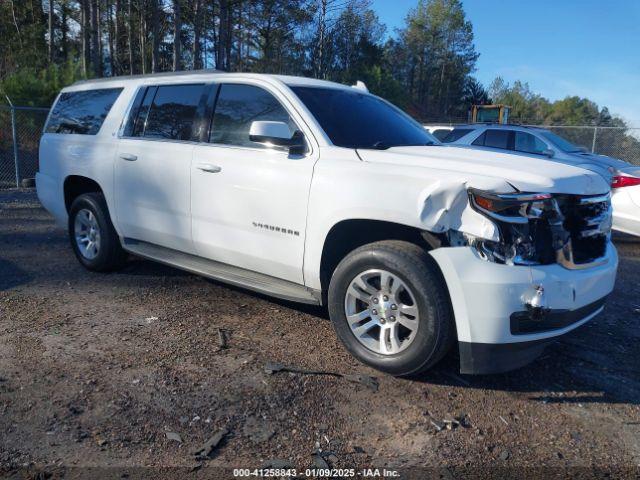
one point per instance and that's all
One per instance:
(239, 277)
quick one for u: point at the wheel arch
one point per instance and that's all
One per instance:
(349, 234)
(76, 185)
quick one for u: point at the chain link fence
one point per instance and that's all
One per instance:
(613, 141)
(617, 142)
(20, 131)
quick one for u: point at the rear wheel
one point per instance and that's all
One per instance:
(390, 307)
(93, 238)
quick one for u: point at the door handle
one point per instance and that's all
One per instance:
(129, 157)
(209, 168)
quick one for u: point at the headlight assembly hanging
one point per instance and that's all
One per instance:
(530, 226)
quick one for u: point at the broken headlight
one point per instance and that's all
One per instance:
(528, 223)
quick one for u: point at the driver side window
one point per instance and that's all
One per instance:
(237, 107)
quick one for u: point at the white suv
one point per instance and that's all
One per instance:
(320, 193)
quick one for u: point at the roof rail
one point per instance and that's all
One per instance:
(510, 124)
(151, 75)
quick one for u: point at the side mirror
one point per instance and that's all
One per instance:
(279, 135)
(548, 153)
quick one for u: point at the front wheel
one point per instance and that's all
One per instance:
(390, 307)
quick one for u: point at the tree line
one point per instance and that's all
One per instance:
(426, 66)
(530, 107)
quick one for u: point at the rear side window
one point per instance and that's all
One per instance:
(172, 113)
(456, 134)
(134, 127)
(82, 112)
(494, 139)
(237, 107)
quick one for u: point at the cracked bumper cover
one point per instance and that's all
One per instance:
(487, 297)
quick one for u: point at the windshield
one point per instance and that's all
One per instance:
(352, 119)
(561, 143)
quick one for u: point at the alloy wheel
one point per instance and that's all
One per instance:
(87, 234)
(381, 311)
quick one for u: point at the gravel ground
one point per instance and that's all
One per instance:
(97, 369)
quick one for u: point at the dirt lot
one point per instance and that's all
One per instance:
(96, 369)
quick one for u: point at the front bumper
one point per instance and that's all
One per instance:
(489, 304)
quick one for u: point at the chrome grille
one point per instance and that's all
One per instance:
(587, 221)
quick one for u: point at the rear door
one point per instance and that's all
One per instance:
(249, 201)
(152, 168)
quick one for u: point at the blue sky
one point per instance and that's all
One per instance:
(589, 48)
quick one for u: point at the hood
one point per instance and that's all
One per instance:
(527, 174)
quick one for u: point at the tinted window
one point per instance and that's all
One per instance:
(497, 139)
(456, 134)
(173, 112)
(82, 112)
(480, 140)
(440, 133)
(237, 107)
(356, 120)
(131, 119)
(525, 142)
(140, 111)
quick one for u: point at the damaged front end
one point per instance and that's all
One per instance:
(544, 228)
(547, 267)
(537, 229)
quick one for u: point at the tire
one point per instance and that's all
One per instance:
(420, 291)
(108, 255)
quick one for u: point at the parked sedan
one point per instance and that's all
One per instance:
(533, 141)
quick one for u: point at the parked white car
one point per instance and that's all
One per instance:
(320, 193)
(532, 141)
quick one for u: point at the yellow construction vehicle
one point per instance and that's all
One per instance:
(490, 114)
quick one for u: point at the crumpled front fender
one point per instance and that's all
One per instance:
(444, 206)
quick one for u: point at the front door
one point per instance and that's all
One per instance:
(152, 169)
(249, 201)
